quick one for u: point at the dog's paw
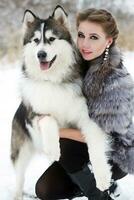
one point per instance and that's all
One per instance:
(103, 183)
(103, 179)
(18, 197)
(50, 137)
(52, 151)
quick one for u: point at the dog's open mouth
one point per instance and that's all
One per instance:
(44, 65)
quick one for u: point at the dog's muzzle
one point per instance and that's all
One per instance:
(41, 55)
(44, 64)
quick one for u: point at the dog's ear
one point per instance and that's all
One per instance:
(60, 15)
(28, 19)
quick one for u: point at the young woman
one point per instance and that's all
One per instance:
(110, 96)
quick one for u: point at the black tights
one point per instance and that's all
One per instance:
(55, 183)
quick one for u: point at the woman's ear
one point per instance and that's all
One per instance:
(110, 41)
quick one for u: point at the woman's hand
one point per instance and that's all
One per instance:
(72, 134)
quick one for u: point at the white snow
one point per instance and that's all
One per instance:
(9, 101)
(126, 5)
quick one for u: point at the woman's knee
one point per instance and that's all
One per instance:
(41, 191)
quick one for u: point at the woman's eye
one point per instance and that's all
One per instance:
(93, 37)
(36, 40)
(51, 39)
(80, 35)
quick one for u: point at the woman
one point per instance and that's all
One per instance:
(110, 96)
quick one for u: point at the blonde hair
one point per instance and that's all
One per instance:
(101, 17)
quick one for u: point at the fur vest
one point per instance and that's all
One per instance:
(109, 90)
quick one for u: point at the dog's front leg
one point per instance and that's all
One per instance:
(97, 142)
(48, 129)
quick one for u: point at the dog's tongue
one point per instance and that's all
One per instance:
(44, 65)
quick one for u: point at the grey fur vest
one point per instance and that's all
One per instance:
(109, 90)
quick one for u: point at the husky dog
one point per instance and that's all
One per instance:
(52, 98)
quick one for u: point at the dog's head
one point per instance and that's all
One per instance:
(48, 46)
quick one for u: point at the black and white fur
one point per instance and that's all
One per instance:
(52, 98)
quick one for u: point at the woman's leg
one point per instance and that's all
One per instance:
(55, 184)
(75, 160)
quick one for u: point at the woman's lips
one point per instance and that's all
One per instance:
(86, 51)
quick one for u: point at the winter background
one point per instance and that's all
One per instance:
(10, 63)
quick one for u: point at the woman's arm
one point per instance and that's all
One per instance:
(72, 134)
(113, 108)
(69, 133)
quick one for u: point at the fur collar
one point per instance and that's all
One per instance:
(113, 60)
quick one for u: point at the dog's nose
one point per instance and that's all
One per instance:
(41, 55)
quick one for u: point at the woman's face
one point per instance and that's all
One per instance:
(91, 40)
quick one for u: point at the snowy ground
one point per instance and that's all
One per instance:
(9, 100)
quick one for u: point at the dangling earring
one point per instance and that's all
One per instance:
(106, 53)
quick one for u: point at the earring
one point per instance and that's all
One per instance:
(106, 53)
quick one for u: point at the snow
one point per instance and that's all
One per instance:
(127, 6)
(9, 101)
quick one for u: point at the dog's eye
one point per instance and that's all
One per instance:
(51, 39)
(36, 40)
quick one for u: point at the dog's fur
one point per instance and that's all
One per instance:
(52, 98)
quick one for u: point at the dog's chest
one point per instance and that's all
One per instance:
(47, 98)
